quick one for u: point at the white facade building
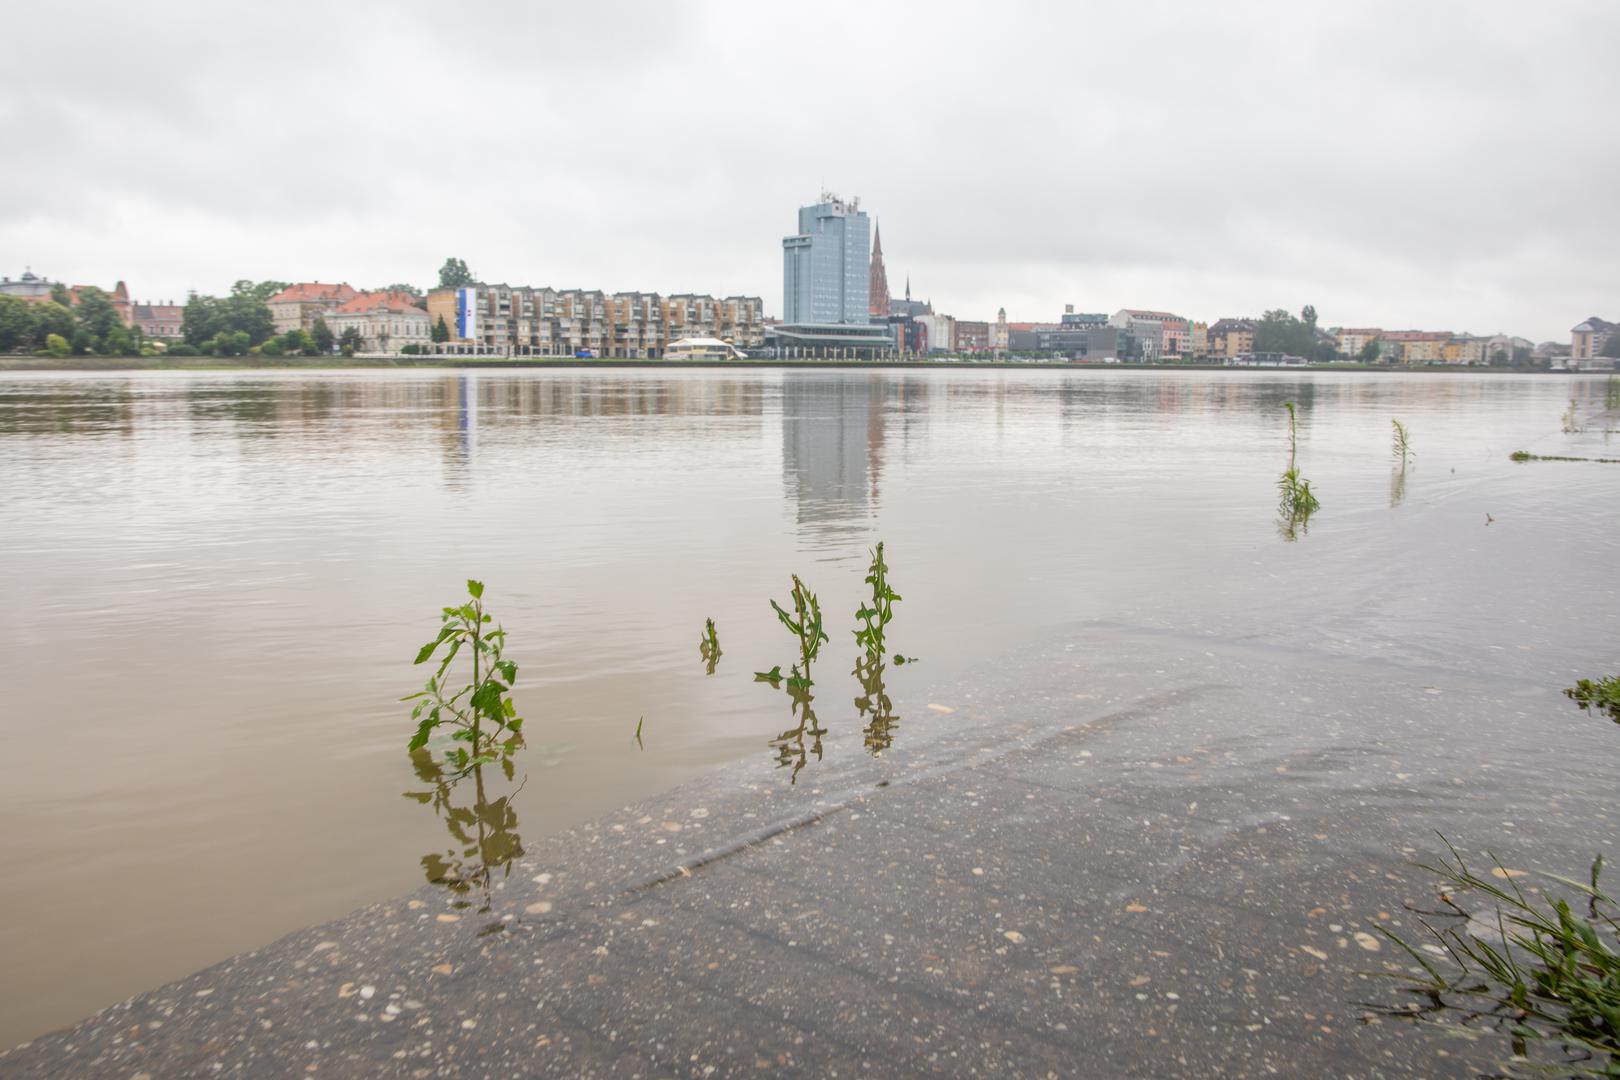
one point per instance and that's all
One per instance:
(387, 321)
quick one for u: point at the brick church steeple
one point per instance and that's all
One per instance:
(878, 293)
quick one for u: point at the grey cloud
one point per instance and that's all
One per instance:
(1441, 164)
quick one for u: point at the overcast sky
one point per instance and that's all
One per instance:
(1413, 164)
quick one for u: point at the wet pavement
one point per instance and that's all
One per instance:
(1057, 869)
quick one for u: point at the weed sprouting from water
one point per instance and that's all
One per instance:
(709, 646)
(481, 712)
(876, 613)
(805, 625)
(1296, 502)
(1611, 394)
(1598, 695)
(1539, 972)
(1401, 445)
(1571, 421)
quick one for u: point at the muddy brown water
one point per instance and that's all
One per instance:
(212, 585)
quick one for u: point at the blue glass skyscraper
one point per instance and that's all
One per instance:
(826, 268)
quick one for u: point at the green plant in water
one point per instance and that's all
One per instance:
(1571, 422)
(709, 645)
(804, 624)
(1597, 695)
(483, 716)
(1539, 971)
(1401, 446)
(1296, 502)
(1611, 393)
(876, 613)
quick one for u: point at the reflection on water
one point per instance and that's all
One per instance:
(795, 745)
(483, 830)
(874, 706)
(832, 449)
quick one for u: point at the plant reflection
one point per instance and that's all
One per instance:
(795, 745)
(874, 706)
(485, 832)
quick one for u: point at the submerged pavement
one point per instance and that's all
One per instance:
(1058, 869)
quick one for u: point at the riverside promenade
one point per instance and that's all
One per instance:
(1167, 869)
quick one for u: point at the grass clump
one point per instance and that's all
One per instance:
(483, 716)
(1541, 972)
(1597, 695)
(1611, 393)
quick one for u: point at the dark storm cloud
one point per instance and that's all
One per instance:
(1441, 165)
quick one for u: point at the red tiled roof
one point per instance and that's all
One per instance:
(373, 301)
(314, 290)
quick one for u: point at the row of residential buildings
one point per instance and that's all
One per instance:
(836, 302)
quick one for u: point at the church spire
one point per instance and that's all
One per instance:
(877, 295)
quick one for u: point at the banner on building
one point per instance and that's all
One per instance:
(467, 314)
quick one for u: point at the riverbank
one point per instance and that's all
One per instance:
(1146, 869)
(322, 363)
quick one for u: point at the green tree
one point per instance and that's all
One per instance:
(321, 334)
(244, 311)
(52, 318)
(1522, 355)
(120, 342)
(1499, 357)
(454, 274)
(296, 343)
(258, 290)
(1611, 347)
(60, 295)
(16, 324)
(272, 348)
(57, 345)
(1278, 331)
(441, 332)
(83, 341)
(96, 313)
(1369, 352)
(350, 340)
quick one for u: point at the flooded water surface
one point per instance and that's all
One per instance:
(212, 587)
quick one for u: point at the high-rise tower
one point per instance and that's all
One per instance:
(878, 304)
(826, 267)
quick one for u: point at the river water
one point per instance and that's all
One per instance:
(213, 585)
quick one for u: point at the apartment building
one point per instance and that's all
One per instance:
(1416, 346)
(1586, 340)
(523, 320)
(972, 336)
(1231, 337)
(1351, 340)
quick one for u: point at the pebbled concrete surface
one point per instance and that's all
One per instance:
(1158, 871)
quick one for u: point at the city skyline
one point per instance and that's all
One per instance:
(1435, 168)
